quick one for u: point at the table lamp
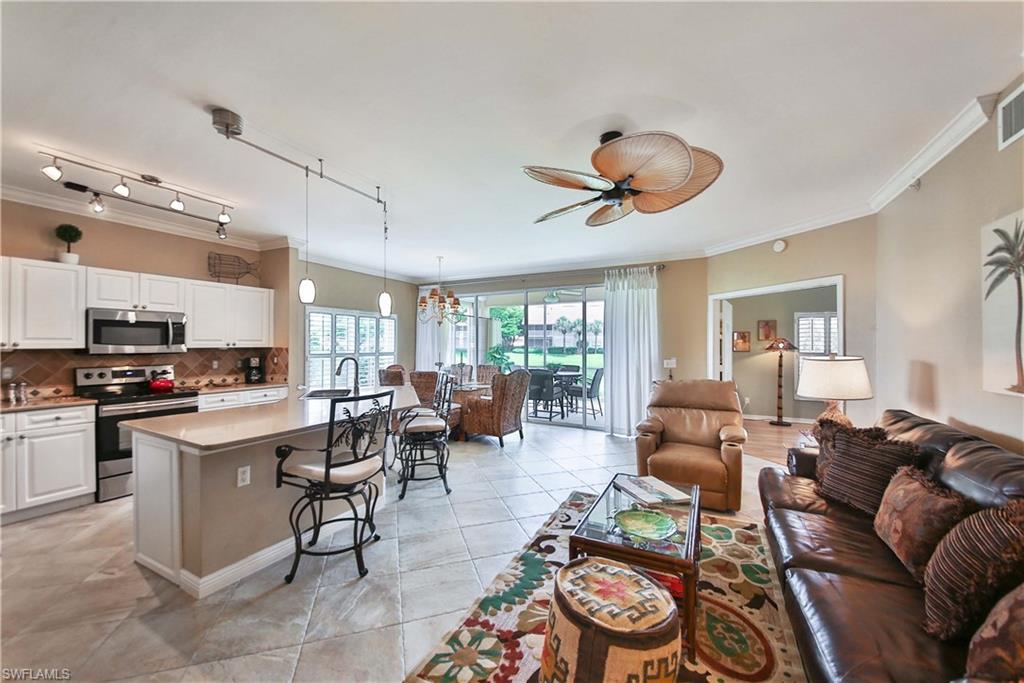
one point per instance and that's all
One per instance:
(780, 344)
(670, 365)
(833, 379)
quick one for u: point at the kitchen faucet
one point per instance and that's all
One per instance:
(355, 381)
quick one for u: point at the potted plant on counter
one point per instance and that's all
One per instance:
(70, 234)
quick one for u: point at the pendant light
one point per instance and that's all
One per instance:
(176, 203)
(307, 288)
(224, 216)
(384, 303)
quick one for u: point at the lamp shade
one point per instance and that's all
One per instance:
(780, 344)
(834, 378)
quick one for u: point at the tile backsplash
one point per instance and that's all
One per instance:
(50, 373)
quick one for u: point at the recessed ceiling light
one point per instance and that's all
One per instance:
(53, 171)
(122, 189)
(176, 203)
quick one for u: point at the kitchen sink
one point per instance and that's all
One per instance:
(325, 394)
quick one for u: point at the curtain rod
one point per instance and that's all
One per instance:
(523, 278)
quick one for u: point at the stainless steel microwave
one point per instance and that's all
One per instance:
(115, 331)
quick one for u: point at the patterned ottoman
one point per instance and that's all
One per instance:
(609, 622)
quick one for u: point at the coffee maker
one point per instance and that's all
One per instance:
(254, 370)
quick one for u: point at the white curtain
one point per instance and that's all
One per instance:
(433, 344)
(631, 344)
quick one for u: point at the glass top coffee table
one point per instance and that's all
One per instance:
(671, 555)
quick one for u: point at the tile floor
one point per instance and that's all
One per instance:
(72, 596)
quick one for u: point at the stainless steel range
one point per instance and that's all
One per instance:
(126, 393)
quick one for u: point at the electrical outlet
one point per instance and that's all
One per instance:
(7, 373)
(244, 476)
(215, 364)
(238, 363)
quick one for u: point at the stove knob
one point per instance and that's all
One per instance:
(87, 375)
(102, 375)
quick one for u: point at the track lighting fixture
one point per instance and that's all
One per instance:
(122, 191)
(222, 232)
(53, 171)
(97, 203)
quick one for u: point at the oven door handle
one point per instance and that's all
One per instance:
(170, 332)
(136, 409)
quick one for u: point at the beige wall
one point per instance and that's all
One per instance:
(756, 371)
(846, 249)
(27, 232)
(929, 289)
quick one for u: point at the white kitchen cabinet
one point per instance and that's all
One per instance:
(55, 463)
(222, 315)
(253, 309)
(8, 495)
(161, 293)
(124, 290)
(47, 307)
(105, 288)
(245, 395)
(5, 303)
(210, 319)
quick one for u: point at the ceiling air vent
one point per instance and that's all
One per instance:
(1011, 117)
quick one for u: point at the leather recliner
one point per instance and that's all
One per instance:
(694, 434)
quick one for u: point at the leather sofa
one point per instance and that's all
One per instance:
(694, 434)
(855, 610)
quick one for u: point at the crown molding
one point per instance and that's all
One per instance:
(971, 118)
(357, 268)
(117, 215)
(822, 221)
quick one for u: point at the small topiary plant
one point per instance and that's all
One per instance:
(68, 233)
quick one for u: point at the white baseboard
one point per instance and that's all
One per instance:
(201, 587)
(794, 420)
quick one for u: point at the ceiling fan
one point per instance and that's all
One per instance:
(647, 172)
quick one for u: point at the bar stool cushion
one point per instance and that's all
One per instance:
(424, 425)
(609, 622)
(340, 474)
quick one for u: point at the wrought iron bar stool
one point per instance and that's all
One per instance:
(355, 452)
(424, 440)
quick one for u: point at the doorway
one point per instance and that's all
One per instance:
(808, 313)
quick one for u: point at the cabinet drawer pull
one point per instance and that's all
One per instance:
(21, 436)
(56, 417)
(10, 438)
(15, 344)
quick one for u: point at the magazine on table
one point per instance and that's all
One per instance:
(650, 490)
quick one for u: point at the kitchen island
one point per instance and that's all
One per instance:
(196, 522)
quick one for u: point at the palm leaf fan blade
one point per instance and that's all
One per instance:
(573, 180)
(567, 209)
(610, 213)
(655, 162)
(707, 168)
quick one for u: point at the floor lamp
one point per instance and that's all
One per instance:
(780, 344)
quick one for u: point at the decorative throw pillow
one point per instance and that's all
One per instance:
(861, 469)
(997, 648)
(915, 514)
(825, 431)
(976, 563)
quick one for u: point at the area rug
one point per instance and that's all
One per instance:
(742, 630)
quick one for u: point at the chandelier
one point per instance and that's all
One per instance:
(441, 309)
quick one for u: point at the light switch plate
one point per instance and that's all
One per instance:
(244, 476)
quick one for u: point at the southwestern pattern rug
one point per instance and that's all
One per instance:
(742, 630)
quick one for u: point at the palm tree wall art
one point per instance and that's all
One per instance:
(1005, 263)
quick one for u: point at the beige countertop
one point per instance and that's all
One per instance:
(222, 388)
(217, 430)
(46, 404)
